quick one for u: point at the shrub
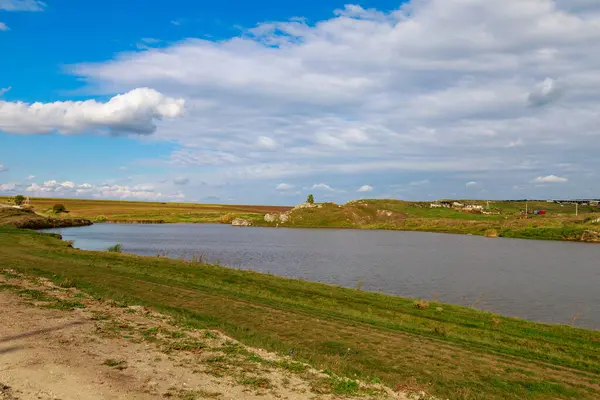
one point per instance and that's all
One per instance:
(101, 218)
(421, 304)
(310, 199)
(117, 248)
(19, 199)
(226, 218)
(59, 208)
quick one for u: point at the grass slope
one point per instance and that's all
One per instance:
(560, 223)
(448, 351)
(150, 212)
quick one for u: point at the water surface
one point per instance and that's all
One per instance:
(537, 280)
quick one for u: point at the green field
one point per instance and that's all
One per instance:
(448, 351)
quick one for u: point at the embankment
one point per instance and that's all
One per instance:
(27, 219)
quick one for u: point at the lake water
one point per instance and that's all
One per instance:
(537, 280)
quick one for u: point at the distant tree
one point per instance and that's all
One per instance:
(310, 199)
(59, 208)
(19, 199)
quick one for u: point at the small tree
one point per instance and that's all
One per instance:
(59, 208)
(19, 199)
(310, 199)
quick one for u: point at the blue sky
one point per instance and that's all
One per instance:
(264, 102)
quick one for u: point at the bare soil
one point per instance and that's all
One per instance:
(60, 343)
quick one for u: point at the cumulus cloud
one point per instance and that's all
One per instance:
(102, 191)
(436, 86)
(181, 181)
(31, 177)
(4, 90)
(3, 28)
(284, 186)
(22, 5)
(322, 186)
(365, 188)
(133, 112)
(471, 184)
(9, 187)
(550, 179)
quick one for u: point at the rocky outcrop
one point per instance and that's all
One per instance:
(307, 205)
(241, 222)
(384, 213)
(271, 217)
(275, 218)
(590, 236)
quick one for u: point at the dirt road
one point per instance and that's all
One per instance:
(59, 343)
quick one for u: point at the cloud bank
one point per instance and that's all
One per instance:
(22, 5)
(133, 112)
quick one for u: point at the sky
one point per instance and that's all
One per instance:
(264, 102)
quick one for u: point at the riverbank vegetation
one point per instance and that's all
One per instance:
(448, 351)
(491, 219)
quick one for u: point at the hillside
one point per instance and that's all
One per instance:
(27, 219)
(501, 219)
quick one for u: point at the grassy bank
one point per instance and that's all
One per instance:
(449, 351)
(149, 212)
(501, 219)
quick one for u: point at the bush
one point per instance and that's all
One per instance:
(310, 199)
(19, 199)
(59, 208)
(100, 218)
(227, 218)
(117, 248)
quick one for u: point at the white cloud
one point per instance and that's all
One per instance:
(31, 177)
(550, 179)
(3, 28)
(181, 181)
(3, 168)
(322, 186)
(454, 88)
(267, 143)
(365, 188)
(284, 186)
(545, 92)
(471, 184)
(22, 5)
(4, 90)
(102, 191)
(133, 112)
(8, 187)
(419, 183)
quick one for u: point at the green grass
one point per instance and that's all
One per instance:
(352, 333)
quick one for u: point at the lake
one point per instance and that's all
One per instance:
(536, 280)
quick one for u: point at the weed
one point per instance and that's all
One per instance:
(66, 305)
(263, 383)
(477, 300)
(344, 386)
(421, 304)
(575, 318)
(67, 283)
(117, 364)
(358, 285)
(117, 248)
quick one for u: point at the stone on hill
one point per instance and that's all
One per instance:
(241, 222)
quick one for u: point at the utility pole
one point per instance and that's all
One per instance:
(526, 209)
(576, 209)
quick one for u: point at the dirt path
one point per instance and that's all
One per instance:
(59, 343)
